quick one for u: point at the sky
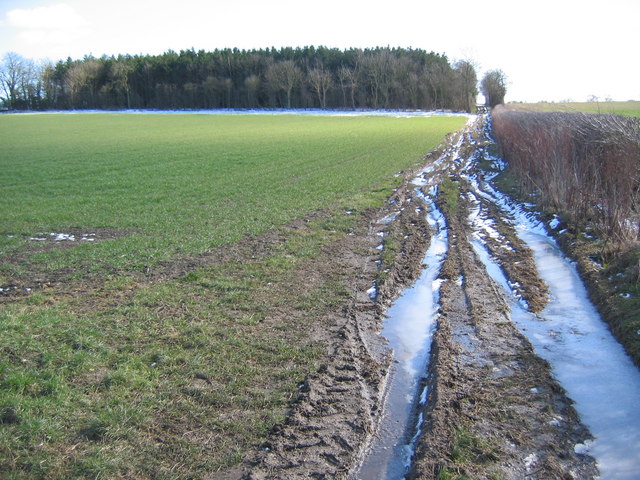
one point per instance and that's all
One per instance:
(551, 50)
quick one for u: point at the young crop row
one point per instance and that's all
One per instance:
(585, 166)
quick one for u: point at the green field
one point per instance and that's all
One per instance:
(189, 183)
(136, 356)
(630, 108)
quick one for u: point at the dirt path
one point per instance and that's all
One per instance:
(494, 410)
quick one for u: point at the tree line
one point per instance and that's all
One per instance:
(309, 77)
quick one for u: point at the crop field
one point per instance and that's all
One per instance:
(135, 342)
(630, 108)
(177, 184)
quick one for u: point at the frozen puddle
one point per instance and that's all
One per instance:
(408, 328)
(586, 359)
(63, 237)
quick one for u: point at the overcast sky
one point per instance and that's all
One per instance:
(549, 49)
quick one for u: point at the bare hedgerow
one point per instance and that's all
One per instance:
(586, 166)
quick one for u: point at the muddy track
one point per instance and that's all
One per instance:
(494, 410)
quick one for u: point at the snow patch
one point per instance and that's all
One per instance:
(372, 292)
(63, 237)
(389, 218)
(583, 448)
(586, 359)
(530, 460)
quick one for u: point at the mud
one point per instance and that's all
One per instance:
(514, 257)
(494, 409)
(23, 276)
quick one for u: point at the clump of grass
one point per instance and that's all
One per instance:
(467, 452)
(618, 295)
(446, 473)
(468, 448)
(448, 194)
(390, 246)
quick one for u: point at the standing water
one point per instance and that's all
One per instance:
(586, 359)
(408, 328)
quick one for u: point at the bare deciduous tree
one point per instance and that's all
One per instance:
(320, 81)
(83, 78)
(12, 70)
(437, 77)
(348, 79)
(467, 83)
(120, 74)
(284, 77)
(252, 84)
(377, 71)
(21, 81)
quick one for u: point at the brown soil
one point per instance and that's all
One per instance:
(26, 276)
(515, 259)
(329, 427)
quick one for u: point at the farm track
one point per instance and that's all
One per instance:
(494, 410)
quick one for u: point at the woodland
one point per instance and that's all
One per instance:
(309, 77)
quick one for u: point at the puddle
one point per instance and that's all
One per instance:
(408, 328)
(586, 359)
